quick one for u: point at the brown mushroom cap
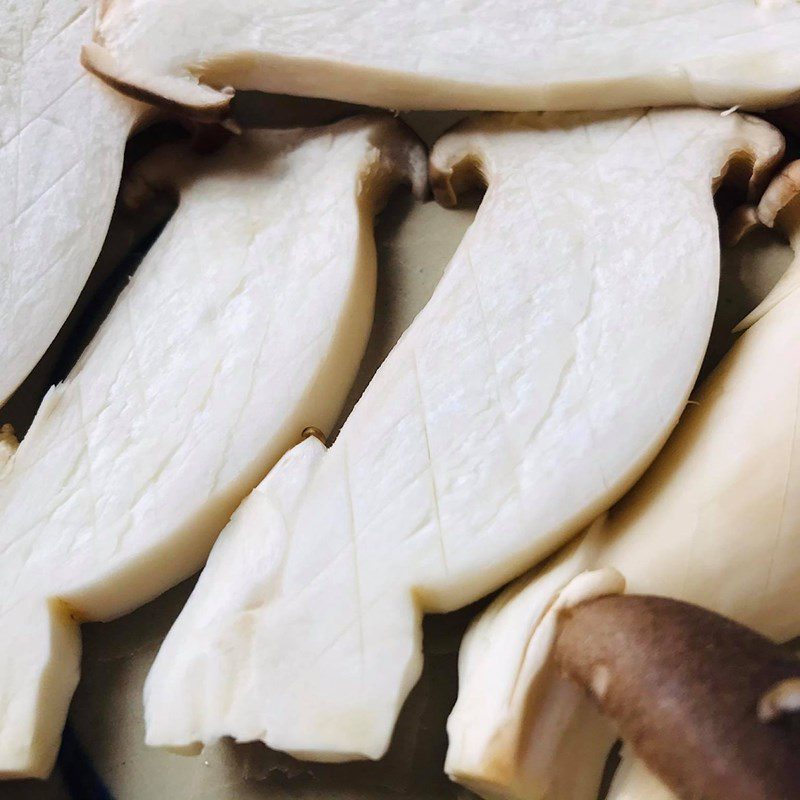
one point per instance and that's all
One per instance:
(685, 686)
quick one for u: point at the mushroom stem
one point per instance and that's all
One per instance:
(696, 695)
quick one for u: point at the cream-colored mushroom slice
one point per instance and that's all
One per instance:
(499, 55)
(714, 521)
(519, 729)
(246, 322)
(545, 372)
(62, 138)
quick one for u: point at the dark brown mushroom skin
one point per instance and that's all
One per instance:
(684, 686)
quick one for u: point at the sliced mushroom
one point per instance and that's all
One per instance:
(62, 138)
(528, 394)
(490, 54)
(245, 323)
(714, 521)
(686, 688)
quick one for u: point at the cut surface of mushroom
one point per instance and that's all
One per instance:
(62, 138)
(714, 521)
(684, 686)
(533, 388)
(502, 55)
(244, 324)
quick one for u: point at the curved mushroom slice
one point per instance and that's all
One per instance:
(245, 322)
(62, 138)
(705, 702)
(714, 521)
(494, 54)
(536, 384)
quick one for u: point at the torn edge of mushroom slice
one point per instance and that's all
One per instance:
(571, 55)
(685, 687)
(714, 521)
(524, 399)
(244, 324)
(62, 141)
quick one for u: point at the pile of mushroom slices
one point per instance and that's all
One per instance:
(548, 373)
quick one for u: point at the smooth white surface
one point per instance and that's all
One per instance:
(540, 379)
(245, 323)
(715, 521)
(507, 55)
(62, 138)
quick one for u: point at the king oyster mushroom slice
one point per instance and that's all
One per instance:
(714, 521)
(503, 55)
(245, 322)
(62, 138)
(545, 372)
(707, 703)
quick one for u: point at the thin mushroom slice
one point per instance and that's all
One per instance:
(245, 323)
(715, 521)
(62, 138)
(685, 687)
(502, 55)
(533, 388)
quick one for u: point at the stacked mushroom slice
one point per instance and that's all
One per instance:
(545, 372)
(245, 323)
(715, 521)
(62, 136)
(488, 54)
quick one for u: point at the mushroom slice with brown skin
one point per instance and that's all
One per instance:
(245, 323)
(8, 446)
(687, 689)
(489, 54)
(779, 201)
(714, 521)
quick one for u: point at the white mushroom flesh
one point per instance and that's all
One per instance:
(62, 138)
(543, 375)
(245, 323)
(506, 55)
